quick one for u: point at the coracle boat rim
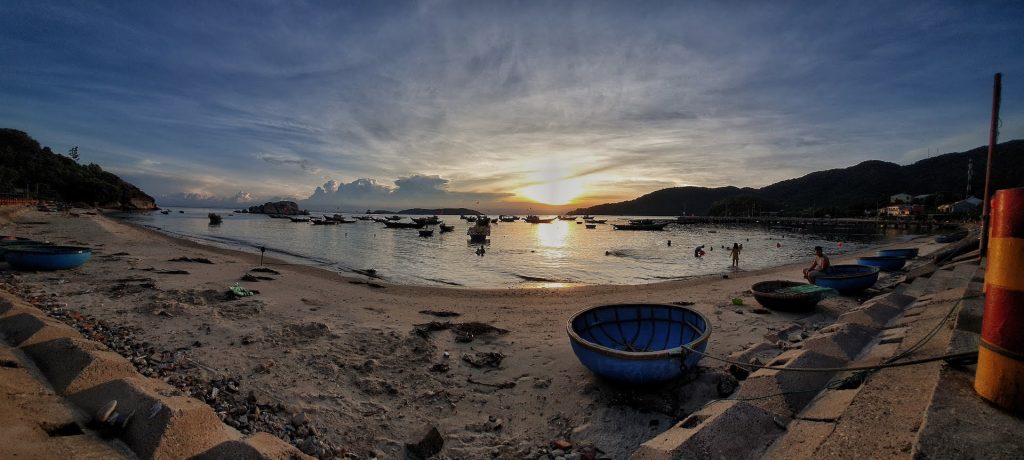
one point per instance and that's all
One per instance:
(639, 355)
(51, 250)
(840, 276)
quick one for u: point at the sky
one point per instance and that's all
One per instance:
(501, 106)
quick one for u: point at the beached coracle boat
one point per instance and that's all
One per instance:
(215, 219)
(951, 237)
(788, 295)
(47, 257)
(638, 343)
(8, 245)
(848, 279)
(883, 262)
(906, 253)
(641, 225)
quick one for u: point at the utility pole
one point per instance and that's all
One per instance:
(993, 135)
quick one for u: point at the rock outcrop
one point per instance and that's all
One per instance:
(286, 208)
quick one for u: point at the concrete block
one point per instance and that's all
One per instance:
(801, 440)
(74, 364)
(893, 335)
(878, 353)
(970, 314)
(724, 430)
(841, 340)
(829, 406)
(874, 315)
(763, 351)
(922, 271)
(28, 328)
(799, 387)
(161, 427)
(260, 446)
(19, 380)
(894, 299)
(962, 341)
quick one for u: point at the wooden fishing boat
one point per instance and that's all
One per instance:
(504, 218)
(885, 263)
(566, 217)
(787, 295)
(165, 211)
(426, 233)
(596, 221)
(638, 343)
(215, 219)
(644, 224)
(446, 228)
(323, 222)
(538, 220)
(299, 219)
(848, 279)
(390, 224)
(394, 218)
(479, 232)
(591, 226)
(47, 257)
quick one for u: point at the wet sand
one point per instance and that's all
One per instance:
(343, 351)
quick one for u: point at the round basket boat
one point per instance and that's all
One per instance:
(886, 263)
(906, 253)
(47, 257)
(638, 343)
(16, 244)
(764, 293)
(848, 279)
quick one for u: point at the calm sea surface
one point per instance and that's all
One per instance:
(519, 254)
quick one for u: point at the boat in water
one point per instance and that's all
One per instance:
(505, 218)
(591, 226)
(391, 224)
(595, 221)
(299, 219)
(394, 218)
(537, 220)
(446, 228)
(215, 219)
(432, 220)
(478, 233)
(639, 343)
(566, 217)
(426, 233)
(643, 224)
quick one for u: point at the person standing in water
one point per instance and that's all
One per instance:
(735, 252)
(821, 265)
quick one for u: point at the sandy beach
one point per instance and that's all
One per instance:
(352, 357)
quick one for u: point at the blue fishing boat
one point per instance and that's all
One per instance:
(906, 253)
(886, 263)
(788, 295)
(848, 279)
(638, 343)
(47, 257)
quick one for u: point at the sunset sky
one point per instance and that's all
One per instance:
(500, 106)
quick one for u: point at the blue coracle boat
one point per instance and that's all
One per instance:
(888, 264)
(47, 257)
(848, 279)
(638, 343)
(906, 253)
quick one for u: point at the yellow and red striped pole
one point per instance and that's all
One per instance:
(1000, 374)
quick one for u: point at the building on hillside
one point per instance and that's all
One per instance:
(968, 205)
(921, 198)
(904, 210)
(901, 198)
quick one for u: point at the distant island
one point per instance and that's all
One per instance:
(284, 208)
(837, 192)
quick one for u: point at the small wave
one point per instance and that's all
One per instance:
(540, 279)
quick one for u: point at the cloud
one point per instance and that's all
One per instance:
(202, 199)
(281, 160)
(411, 191)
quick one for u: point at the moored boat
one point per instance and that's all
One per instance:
(638, 343)
(215, 219)
(643, 224)
(390, 224)
(591, 226)
(478, 233)
(566, 217)
(537, 220)
(885, 263)
(848, 279)
(446, 228)
(299, 219)
(47, 257)
(426, 233)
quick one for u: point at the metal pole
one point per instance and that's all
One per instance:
(993, 134)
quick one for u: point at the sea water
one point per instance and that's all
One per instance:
(518, 254)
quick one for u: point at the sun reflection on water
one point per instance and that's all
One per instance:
(553, 235)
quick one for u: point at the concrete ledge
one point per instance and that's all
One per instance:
(829, 406)
(27, 328)
(874, 315)
(801, 386)
(842, 340)
(260, 446)
(802, 438)
(161, 427)
(73, 364)
(894, 299)
(724, 429)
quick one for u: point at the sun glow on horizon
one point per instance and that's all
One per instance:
(553, 182)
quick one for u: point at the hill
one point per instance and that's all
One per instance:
(845, 191)
(24, 164)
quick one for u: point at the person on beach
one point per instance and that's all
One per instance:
(821, 265)
(735, 252)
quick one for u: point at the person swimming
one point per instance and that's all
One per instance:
(698, 251)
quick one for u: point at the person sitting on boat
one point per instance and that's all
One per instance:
(821, 265)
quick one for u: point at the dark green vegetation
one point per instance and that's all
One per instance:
(837, 192)
(27, 166)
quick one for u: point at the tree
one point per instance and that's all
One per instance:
(73, 153)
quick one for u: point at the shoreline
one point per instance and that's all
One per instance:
(345, 354)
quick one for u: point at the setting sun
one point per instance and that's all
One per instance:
(556, 192)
